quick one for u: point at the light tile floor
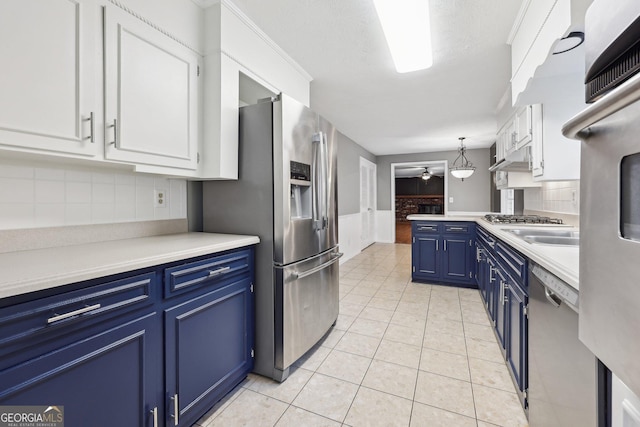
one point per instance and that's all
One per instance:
(400, 354)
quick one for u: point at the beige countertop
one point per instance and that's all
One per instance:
(38, 269)
(562, 261)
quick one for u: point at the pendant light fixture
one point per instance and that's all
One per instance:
(465, 169)
(426, 175)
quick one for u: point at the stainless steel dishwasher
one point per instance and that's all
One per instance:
(562, 371)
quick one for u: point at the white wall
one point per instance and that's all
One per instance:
(49, 195)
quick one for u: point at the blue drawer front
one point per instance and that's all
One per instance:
(213, 271)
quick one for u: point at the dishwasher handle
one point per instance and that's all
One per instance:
(552, 297)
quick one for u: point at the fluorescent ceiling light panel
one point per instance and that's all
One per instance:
(407, 29)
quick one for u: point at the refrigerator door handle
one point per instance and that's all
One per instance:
(317, 181)
(325, 181)
(298, 275)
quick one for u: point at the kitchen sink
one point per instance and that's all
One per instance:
(553, 240)
(546, 233)
(548, 237)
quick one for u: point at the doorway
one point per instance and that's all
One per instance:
(367, 202)
(416, 188)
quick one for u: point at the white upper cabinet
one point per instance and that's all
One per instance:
(524, 126)
(49, 90)
(554, 157)
(538, 26)
(151, 95)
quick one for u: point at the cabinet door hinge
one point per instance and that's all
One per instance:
(197, 157)
(525, 311)
(414, 239)
(253, 353)
(414, 268)
(470, 275)
(251, 287)
(198, 71)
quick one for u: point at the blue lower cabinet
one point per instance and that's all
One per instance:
(426, 256)
(444, 253)
(516, 341)
(503, 282)
(500, 308)
(457, 265)
(108, 378)
(116, 352)
(207, 349)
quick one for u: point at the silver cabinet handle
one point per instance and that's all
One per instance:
(456, 228)
(445, 245)
(176, 409)
(154, 414)
(505, 288)
(426, 228)
(92, 128)
(437, 244)
(222, 270)
(83, 310)
(115, 132)
(297, 275)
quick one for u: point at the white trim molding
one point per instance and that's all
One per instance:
(349, 235)
(253, 27)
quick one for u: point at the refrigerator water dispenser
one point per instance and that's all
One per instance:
(300, 200)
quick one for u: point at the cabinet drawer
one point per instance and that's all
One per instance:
(426, 227)
(67, 312)
(487, 239)
(514, 263)
(458, 228)
(206, 272)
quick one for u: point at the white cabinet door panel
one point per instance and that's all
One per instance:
(151, 92)
(48, 87)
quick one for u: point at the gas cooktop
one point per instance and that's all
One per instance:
(521, 219)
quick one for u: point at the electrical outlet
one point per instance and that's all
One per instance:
(574, 198)
(450, 199)
(160, 199)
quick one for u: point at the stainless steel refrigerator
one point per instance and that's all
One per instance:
(287, 195)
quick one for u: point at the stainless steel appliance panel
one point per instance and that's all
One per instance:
(306, 305)
(299, 137)
(562, 371)
(609, 286)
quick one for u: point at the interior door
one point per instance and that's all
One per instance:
(367, 202)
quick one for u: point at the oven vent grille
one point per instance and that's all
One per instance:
(615, 74)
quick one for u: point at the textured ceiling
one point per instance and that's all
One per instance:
(341, 44)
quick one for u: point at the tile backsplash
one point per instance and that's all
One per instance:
(559, 197)
(48, 195)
